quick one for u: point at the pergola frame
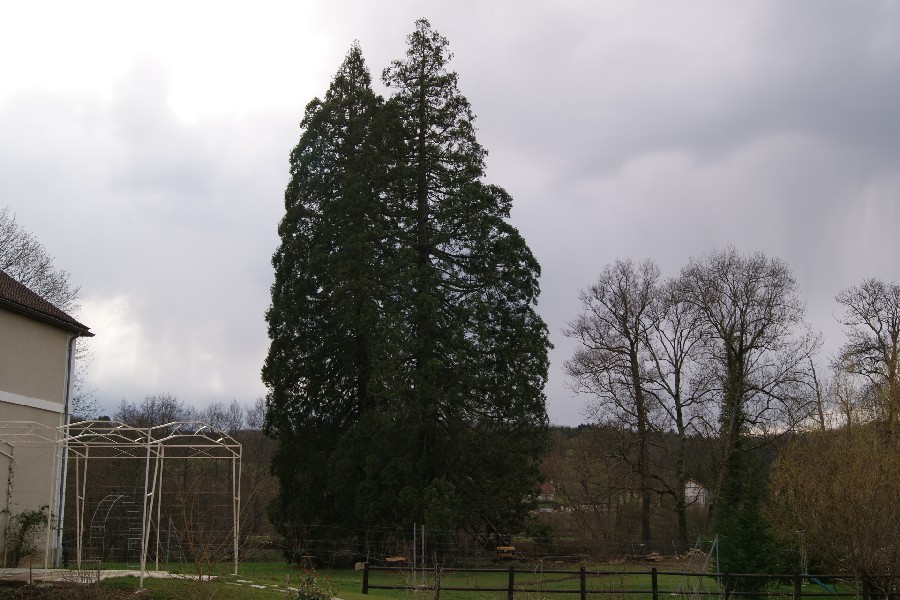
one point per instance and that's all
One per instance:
(115, 440)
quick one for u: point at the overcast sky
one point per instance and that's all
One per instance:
(146, 145)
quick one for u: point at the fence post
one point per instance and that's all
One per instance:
(365, 589)
(583, 588)
(798, 590)
(726, 592)
(509, 590)
(654, 583)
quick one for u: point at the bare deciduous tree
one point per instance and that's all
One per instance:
(872, 350)
(848, 400)
(759, 344)
(681, 385)
(153, 410)
(26, 260)
(609, 364)
(229, 418)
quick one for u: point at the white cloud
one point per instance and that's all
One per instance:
(118, 345)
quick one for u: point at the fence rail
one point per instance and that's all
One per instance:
(723, 585)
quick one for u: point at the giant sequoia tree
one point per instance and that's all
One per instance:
(407, 362)
(325, 295)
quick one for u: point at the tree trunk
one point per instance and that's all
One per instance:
(643, 433)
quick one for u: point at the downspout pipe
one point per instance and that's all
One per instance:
(64, 454)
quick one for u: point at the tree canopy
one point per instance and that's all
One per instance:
(872, 350)
(407, 361)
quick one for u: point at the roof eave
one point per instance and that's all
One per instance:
(72, 327)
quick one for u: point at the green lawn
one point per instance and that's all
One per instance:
(260, 581)
(180, 589)
(255, 581)
(347, 584)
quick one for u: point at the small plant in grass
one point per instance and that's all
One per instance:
(311, 586)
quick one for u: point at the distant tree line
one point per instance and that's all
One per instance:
(721, 359)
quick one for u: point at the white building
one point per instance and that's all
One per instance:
(695, 493)
(37, 344)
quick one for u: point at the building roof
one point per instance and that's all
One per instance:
(17, 298)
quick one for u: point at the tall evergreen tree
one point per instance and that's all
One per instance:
(475, 358)
(325, 296)
(407, 359)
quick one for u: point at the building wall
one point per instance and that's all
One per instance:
(29, 482)
(33, 359)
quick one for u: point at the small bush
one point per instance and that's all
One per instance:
(22, 534)
(312, 587)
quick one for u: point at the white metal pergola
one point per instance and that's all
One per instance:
(114, 440)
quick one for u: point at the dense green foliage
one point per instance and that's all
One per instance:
(325, 295)
(407, 362)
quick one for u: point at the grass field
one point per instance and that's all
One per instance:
(261, 581)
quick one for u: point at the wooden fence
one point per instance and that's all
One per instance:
(717, 585)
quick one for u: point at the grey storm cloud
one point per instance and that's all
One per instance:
(638, 129)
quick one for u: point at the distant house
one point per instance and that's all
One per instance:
(695, 493)
(547, 492)
(37, 343)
